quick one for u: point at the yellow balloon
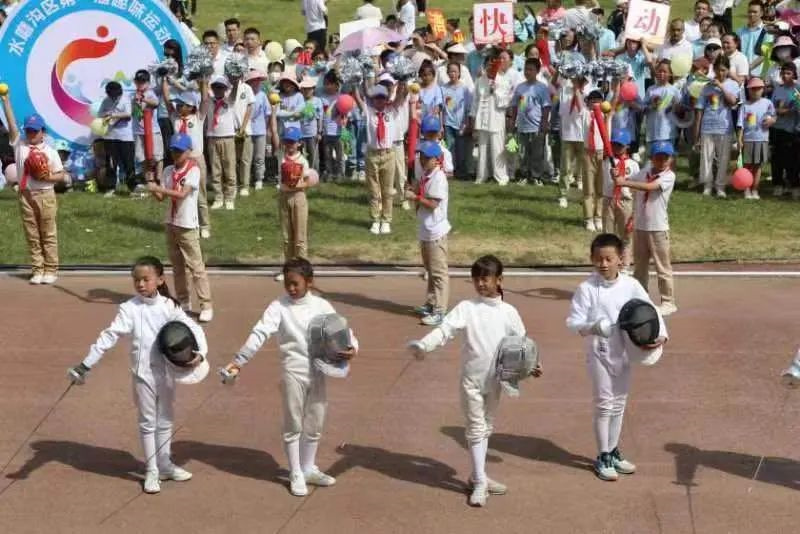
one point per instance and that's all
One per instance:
(99, 127)
(413, 87)
(605, 107)
(274, 52)
(681, 65)
(274, 98)
(3, 89)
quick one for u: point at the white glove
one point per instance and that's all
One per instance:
(228, 376)
(77, 374)
(417, 349)
(602, 328)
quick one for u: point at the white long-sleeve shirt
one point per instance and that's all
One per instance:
(484, 322)
(142, 318)
(289, 319)
(597, 298)
(489, 106)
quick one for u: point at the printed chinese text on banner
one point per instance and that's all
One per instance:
(647, 20)
(436, 21)
(494, 23)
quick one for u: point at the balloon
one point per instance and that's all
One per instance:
(605, 107)
(274, 52)
(345, 104)
(94, 109)
(274, 98)
(681, 65)
(312, 178)
(413, 88)
(99, 127)
(695, 88)
(742, 179)
(11, 173)
(3, 89)
(628, 91)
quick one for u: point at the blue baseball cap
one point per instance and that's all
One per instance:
(180, 142)
(430, 149)
(190, 98)
(431, 124)
(292, 134)
(662, 147)
(34, 122)
(621, 137)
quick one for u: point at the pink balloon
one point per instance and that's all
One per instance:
(312, 178)
(628, 91)
(345, 104)
(10, 173)
(742, 179)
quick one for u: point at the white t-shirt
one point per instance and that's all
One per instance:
(572, 121)
(226, 119)
(631, 168)
(691, 30)
(433, 224)
(219, 63)
(21, 151)
(368, 11)
(669, 50)
(650, 207)
(314, 11)
(258, 62)
(739, 64)
(446, 162)
(194, 129)
(244, 98)
(408, 16)
(182, 212)
(401, 122)
(390, 117)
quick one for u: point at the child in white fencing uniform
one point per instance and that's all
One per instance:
(485, 321)
(595, 307)
(302, 386)
(142, 317)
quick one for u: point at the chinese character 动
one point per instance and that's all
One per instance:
(648, 22)
(496, 21)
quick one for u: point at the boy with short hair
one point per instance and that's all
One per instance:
(530, 113)
(431, 195)
(593, 171)
(653, 186)
(145, 99)
(292, 201)
(243, 100)
(221, 132)
(618, 201)
(38, 168)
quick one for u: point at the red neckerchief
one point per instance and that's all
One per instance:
(620, 172)
(178, 179)
(185, 125)
(423, 182)
(219, 103)
(381, 129)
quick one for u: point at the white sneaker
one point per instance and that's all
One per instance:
(754, 195)
(492, 486)
(259, 185)
(777, 191)
(109, 194)
(206, 315)
(297, 485)
(706, 191)
(406, 205)
(667, 309)
(175, 473)
(216, 205)
(604, 468)
(49, 279)
(36, 279)
(151, 483)
(589, 225)
(562, 202)
(721, 193)
(278, 277)
(205, 233)
(315, 477)
(580, 185)
(621, 465)
(385, 228)
(244, 192)
(479, 495)
(361, 176)
(229, 205)
(747, 194)
(375, 228)
(598, 224)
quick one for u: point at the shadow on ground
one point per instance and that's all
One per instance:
(80, 456)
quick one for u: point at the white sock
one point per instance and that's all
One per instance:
(293, 455)
(601, 430)
(163, 440)
(308, 454)
(149, 448)
(615, 425)
(478, 452)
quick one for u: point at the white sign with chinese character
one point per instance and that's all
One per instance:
(647, 20)
(494, 23)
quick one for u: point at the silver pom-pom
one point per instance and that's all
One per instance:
(569, 68)
(199, 64)
(589, 31)
(167, 67)
(236, 66)
(350, 71)
(367, 65)
(401, 68)
(557, 29)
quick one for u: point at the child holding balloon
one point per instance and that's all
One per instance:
(658, 102)
(755, 119)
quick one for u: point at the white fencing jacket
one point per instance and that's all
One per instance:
(142, 318)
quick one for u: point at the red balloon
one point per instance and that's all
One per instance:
(742, 179)
(628, 91)
(345, 104)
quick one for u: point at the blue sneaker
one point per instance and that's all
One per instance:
(604, 468)
(422, 311)
(433, 319)
(621, 465)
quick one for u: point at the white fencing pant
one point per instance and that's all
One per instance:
(491, 151)
(479, 404)
(155, 403)
(610, 395)
(304, 405)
